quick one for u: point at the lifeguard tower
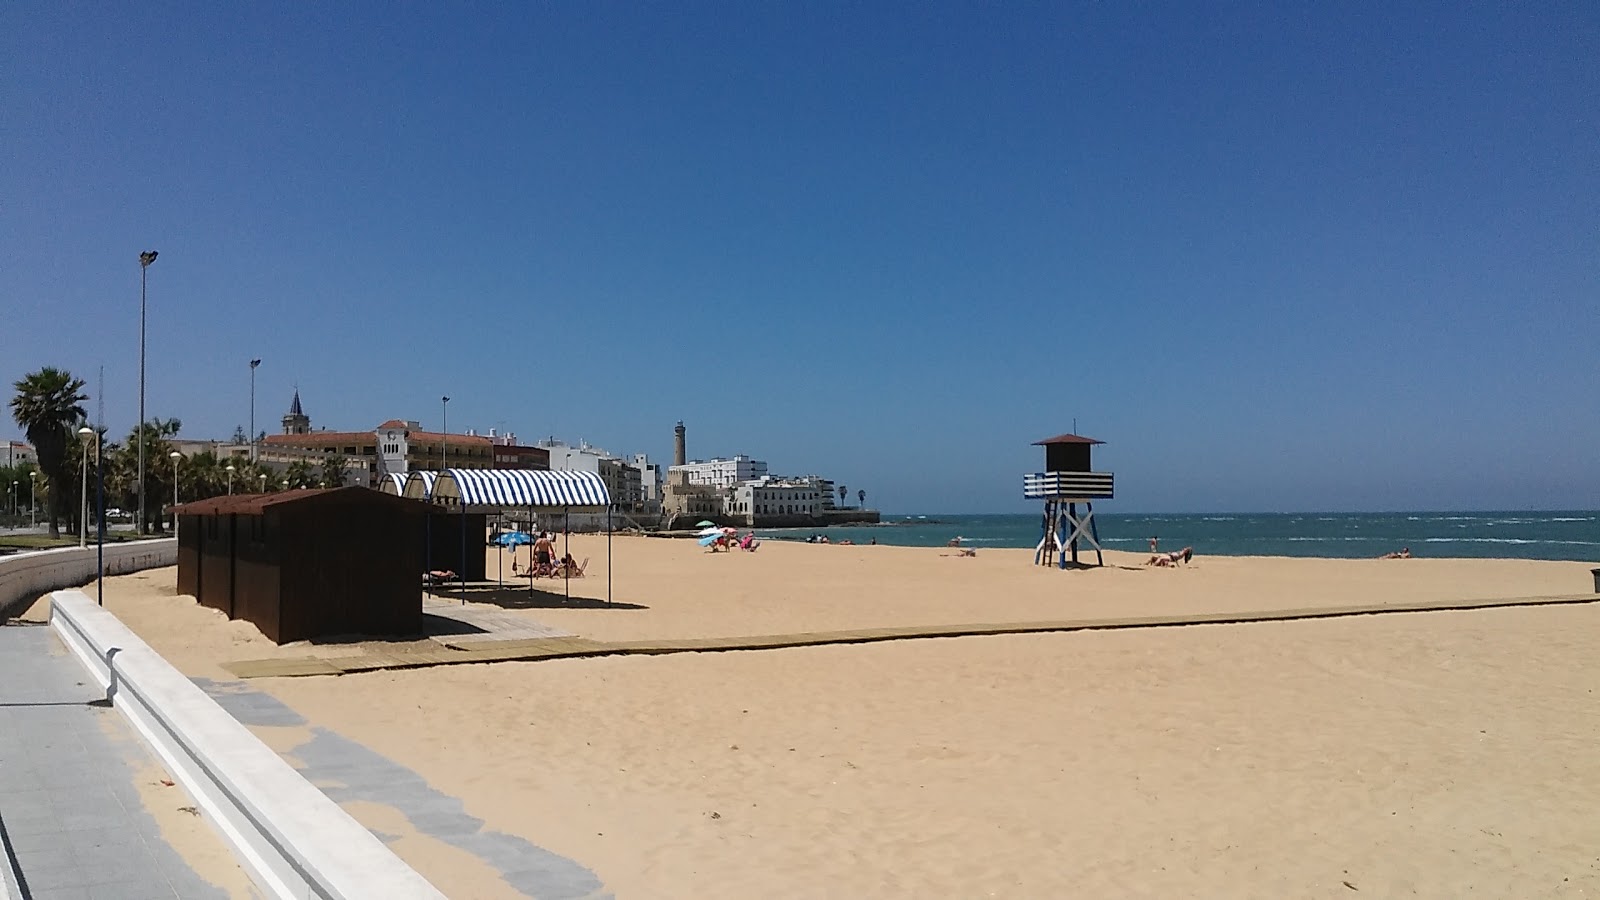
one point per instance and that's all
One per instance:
(1067, 480)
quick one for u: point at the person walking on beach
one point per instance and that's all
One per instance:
(1153, 542)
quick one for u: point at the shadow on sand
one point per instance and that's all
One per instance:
(515, 597)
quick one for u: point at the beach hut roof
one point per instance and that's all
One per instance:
(1067, 439)
(256, 504)
(419, 485)
(522, 487)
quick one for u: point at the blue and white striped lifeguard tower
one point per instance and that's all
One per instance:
(1067, 481)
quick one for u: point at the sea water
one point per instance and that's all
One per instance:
(1573, 535)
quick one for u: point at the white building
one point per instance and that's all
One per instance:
(18, 453)
(623, 479)
(723, 473)
(768, 497)
(649, 479)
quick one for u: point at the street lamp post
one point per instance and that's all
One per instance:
(14, 484)
(263, 484)
(175, 457)
(145, 259)
(444, 440)
(85, 434)
(253, 364)
(33, 498)
(230, 479)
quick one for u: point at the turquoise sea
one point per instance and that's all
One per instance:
(1568, 534)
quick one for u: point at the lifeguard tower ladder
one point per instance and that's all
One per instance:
(1067, 481)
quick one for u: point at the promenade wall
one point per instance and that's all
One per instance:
(24, 577)
(290, 837)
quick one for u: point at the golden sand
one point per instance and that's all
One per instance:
(1444, 754)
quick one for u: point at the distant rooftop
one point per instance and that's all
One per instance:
(1067, 439)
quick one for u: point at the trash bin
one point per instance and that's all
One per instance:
(1596, 580)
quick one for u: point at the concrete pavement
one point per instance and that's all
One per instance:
(72, 823)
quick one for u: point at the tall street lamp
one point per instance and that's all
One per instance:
(145, 259)
(14, 484)
(33, 498)
(86, 435)
(253, 364)
(230, 479)
(175, 457)
(444, 441)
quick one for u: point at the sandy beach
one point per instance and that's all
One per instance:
(1440, 754)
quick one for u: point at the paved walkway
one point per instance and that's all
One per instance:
(71, 819)
(478, 649)
(348, 772)
(476, 624)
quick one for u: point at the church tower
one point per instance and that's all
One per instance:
(296, 422)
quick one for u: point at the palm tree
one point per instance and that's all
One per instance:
(333, 471)
(299, 474)
(862, 496)
(122, 471)
(843, 491)
(47, 405)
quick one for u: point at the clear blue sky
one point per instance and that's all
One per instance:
(1280, 257)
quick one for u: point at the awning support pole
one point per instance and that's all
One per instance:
(608, 555)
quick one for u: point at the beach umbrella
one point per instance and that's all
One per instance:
(513, 539)
(709, 539)
(705, 531)
(705, 524)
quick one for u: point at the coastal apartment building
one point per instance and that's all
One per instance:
(722, 473)
(772, 497)
(623, 480)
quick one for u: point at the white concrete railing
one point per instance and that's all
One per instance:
(292, 839)
(26, 576)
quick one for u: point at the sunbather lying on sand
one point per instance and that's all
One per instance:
(1171, 559)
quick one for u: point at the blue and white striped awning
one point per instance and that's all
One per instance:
(521, 487)
(419, 485)
(393, 483)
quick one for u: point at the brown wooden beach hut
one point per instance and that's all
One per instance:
(307, 563)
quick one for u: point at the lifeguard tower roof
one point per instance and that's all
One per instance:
(1067, 439)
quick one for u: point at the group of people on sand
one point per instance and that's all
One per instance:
(824, 539)
(545, 564)
(1170, 558)
(726, 542)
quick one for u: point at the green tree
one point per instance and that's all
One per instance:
(299, 474)
(239, 437)
(122, 470)
(842, 492)
(334, 470)
(862, 496)
(47, 406)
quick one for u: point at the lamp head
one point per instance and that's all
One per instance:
(86, 434)
(175, 455)
(254, 363)
(231, 470)
(147, 257)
